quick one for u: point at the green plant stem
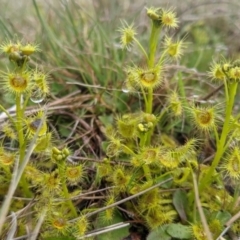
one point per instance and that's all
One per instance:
(153, 44)
(151, 60)
(226, 90)
(148, 140)
(143, 140)
(144, 96)
(141, 48)
(22, 146)
(25, 102)
(128, 150)
(61, 168)
(145, 167)
(147, 172)
(19, 127)
(8, 115)
(221, 144)
(160, 61)
(229, 141)
(149, 101)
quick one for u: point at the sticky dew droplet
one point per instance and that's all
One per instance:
(125, 88)
(37, 96)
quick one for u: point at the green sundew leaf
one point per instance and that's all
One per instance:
(106, 119)
(180, 203)
(223, 217)
(56, 88)
(159, 233)
(64, 132)
(163, 178)
(179, 231)
(104, 145)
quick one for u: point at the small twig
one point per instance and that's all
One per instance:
(200, 210)
(38, 226)
(20, 212)
(73, 130)
(229, 224)
(233, 219)
(106, 229)
(13, 228)
(122, 201)
(212, 93)
(223, 232)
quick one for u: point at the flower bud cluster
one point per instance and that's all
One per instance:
(60, 155)
(22, 80)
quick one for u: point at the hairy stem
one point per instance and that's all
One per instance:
(22, 146)
(222, 141)
(61, 168)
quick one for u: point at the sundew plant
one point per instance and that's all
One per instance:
(159, 185)
(28, 154)
(195, 202)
